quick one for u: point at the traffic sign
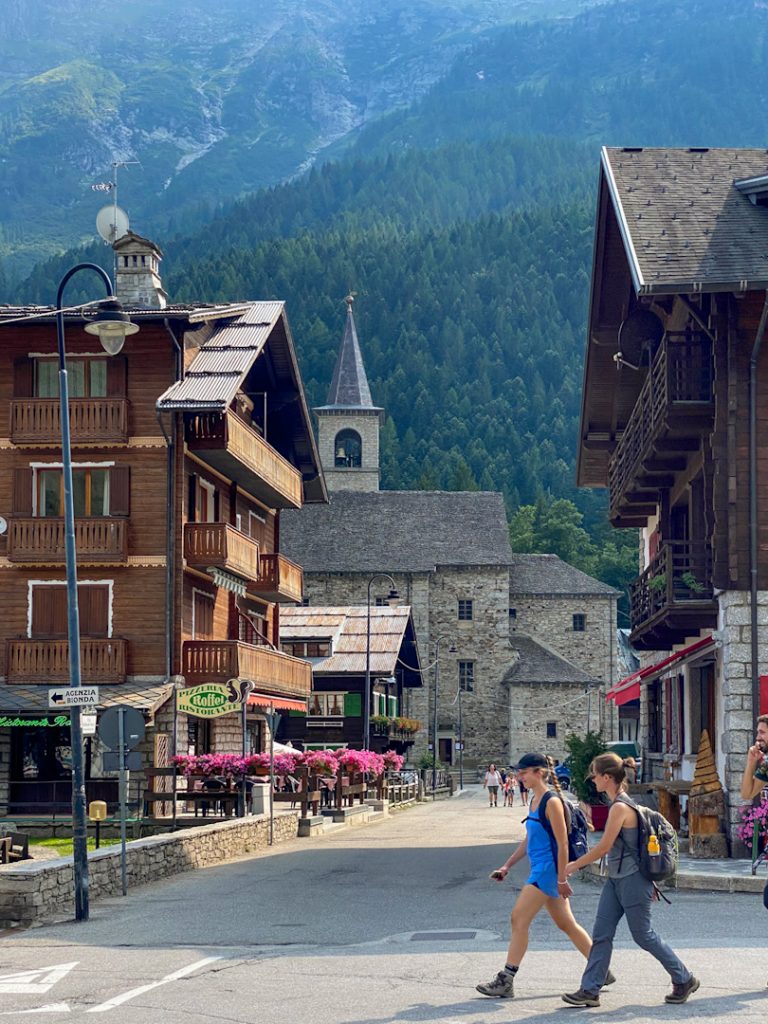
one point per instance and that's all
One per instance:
(73, 696)
(88, 724)
(133, 727)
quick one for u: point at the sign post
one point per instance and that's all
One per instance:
(121, 729)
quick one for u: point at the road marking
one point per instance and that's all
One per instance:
(49, 1008)
(126, 996)
(34, 983)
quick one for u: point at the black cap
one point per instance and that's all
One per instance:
(532, 761)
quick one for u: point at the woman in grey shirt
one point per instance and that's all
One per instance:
(625, 893)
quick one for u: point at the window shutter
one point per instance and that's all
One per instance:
(117, 375)
(93, 603)
(49, 613)
(353, 705)
(23, 377)
(216, 506)
(120, 491)
(192, 498)
(22, 492)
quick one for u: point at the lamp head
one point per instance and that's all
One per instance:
(393, 598)
(111, 325)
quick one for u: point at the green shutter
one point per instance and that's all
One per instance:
(353, 705)
(393, 707)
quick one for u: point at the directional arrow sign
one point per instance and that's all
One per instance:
(34, 983)
(73, 696)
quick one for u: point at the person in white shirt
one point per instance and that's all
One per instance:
(492, 783)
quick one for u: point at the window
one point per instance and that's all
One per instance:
(513, 613)
(87, 378)
(90, 492)
(551, 730)
(579, 623)
(307, 648)
(382, 602)
(327, 705)
(202, 615)
(348, 450)
(467, 676)
(202, 501)
(49, 610)
(465, 610)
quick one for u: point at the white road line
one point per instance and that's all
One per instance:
(34, 982)
(181, 973)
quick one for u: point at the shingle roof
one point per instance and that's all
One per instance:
(26, 700)
(539, 664)
(549, 574)
(349, 385)
(684, 225)
(405, 531)
(347, 626)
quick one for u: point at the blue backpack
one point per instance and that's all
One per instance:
(575, 823)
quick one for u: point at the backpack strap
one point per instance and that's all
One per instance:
(624, 799)
(545, 823)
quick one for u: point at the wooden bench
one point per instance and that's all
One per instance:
(15, 846)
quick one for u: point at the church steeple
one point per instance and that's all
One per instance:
(348, 425)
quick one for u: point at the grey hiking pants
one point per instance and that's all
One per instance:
(630, 896)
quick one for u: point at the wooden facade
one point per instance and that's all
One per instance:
(177, 537)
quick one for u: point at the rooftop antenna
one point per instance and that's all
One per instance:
(112, 221)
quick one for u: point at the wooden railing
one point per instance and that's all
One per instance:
(680, 379)
(216, 661)
(678, 577)
(47, 661)
(208, 431)
(221, 545)
(91, 420)
(99, 539)
(280, 579)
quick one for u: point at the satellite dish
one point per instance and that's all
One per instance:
(639, 334)
(111, 223)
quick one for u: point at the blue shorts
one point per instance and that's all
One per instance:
(545, 880)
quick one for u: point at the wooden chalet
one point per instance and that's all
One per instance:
(335, 641)
(185, 449)
(674, 424)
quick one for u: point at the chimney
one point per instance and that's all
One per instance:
(137, 273)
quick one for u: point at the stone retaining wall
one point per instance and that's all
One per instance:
(33, 891)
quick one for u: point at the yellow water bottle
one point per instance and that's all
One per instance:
(654, 850)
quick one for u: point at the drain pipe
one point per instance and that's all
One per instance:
(753, 507)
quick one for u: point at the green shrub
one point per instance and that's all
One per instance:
(582, 750)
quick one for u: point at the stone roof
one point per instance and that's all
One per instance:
(539, 664)
(549, 574)
(397, 531)
(349, 385)
(684, 223)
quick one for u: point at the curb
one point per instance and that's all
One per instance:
(698, 881)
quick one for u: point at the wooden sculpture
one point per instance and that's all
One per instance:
(706, 806)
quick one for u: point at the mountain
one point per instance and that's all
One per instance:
(213, 100)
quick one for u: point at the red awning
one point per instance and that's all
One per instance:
(265, 700)
(629, 688)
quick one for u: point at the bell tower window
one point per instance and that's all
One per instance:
(348, 450)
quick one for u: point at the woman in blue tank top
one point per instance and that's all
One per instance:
(547, 885)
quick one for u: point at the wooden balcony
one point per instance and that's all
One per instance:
(91, 421)
(216, 661)
(99, 539)
(236, 450)
(674, 597)
(280, 580)
(675, 407)
(47, 661)
(222, 546)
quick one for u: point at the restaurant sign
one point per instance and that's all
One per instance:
(209, 700)
(43, 722)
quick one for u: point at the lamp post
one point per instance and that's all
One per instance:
(112, 326)
(452, 650)
(391, 598)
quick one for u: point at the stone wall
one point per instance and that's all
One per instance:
(32, 891)
(533, 706)
(364, 478)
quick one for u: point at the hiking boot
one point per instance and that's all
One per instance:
(680, 993)
(502, 986)
(609, 979)
(582, 998)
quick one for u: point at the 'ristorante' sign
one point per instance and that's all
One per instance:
(47, 722)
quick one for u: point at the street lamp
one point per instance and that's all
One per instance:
(451, 650)
(392, 597)
(457, 699)
(112, 326)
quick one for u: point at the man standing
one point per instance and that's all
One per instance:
(755, 777)
(492, 783)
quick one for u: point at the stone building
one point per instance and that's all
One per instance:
(449, 556)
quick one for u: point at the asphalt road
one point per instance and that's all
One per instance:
(389, 924)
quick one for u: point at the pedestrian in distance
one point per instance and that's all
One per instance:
(523, 791)
(626, 892)
(492, 782)
(755, 777)
(509, 789)
(547, 885)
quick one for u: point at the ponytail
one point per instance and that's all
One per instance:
(552, 775)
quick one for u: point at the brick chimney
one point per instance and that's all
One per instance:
(137, 274)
